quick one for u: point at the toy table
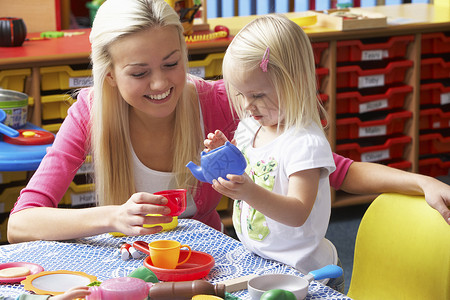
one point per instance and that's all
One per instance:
(21, 158)
(96, 256)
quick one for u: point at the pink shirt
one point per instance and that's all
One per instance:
(68, 152)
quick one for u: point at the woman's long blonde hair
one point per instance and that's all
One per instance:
(291, 67)
(110, 137)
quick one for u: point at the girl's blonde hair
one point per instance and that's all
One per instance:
(110, 138)
(291, 67)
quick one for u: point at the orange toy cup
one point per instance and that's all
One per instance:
(176, 200)
(165, 253)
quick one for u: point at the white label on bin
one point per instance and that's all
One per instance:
(86, 168)
(373, 105)
(445, 98)
(83, 198)
(436, 124)
(374, 54)
(197, 71)
(75, 82)
(372, 131)
(370, 81)
(375, 156)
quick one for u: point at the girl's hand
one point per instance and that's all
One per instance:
(132, 215)
(73, 293)
(215, 140)
(236, 187)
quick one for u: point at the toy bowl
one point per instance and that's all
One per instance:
(198, 266)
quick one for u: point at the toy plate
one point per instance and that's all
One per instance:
(34, 269)
(197, 267)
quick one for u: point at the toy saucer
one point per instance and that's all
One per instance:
(34, 269)
(197, 267)
(31, 137)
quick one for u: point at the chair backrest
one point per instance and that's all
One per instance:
(402, 251)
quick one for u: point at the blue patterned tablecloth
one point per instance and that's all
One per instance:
(97, 256)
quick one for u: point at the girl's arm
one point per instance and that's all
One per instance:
(372, 178)
(292, 209)
(47, 223)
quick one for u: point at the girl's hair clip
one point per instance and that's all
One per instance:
(265, 60)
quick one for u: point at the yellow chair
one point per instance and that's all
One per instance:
(402, 251)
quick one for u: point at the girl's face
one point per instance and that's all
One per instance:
(148, 69)
(258, 93)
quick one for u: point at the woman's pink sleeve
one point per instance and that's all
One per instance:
(59, 166)
(338, 176)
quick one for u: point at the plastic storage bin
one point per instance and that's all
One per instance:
(374, 99)
(435, 68)
(400, 164)
(318, 50)
(14, 79)
(209, 67)
(8, 198)
(368, 75)
(64, 77)
(435, 93)
(436, 42)
(321, 73)
(434, 118)
(434, 143)
(79, 195)
(56, 106)
(373, 49)
(434, 166)
(8, 177)
(4, 227)
(378, 149)
(385, 124)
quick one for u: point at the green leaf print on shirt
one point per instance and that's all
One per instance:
(256, 222)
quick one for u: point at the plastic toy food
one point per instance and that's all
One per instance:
(123, 288)
(219, 162)
(14, 272)
(278, 294)
(185, 290)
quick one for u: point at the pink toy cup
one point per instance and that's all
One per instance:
(176, 200)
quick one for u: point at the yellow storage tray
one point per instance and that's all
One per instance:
(78, 195)
(223, 204)
(14, 79)
(56, 106)
(209, 67)
(87, 167)
(8, 177)
(53, 128)
(3, 228)
(8, 198)
(64, 77)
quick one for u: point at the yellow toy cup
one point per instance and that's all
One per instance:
(165, 253)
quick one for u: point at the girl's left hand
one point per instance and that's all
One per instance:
(73, 293)
(236, 187)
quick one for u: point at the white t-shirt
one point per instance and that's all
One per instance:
(270, 166)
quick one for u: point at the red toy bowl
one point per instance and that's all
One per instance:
(197, 267)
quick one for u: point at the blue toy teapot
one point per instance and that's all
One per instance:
(219, 162)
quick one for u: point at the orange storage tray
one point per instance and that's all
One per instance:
(435, 43)
(380, 125)
(365, 75)
(434, 166)
(433, 143)
(434, 118)
(436, 93)
(320, 74)
(375, 151)
(373, 99)
(318, 49)
(373, 49)
(435, 68)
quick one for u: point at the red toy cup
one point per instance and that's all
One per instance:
(176, 200)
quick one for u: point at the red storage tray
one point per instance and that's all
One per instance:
(318, 49)
(353, 128)
(434, 68)
(391, 148)
(400, 164)
(373, 49)
(435, 43)
(354, 76)
(434, 166)
(434, 93)
(433, 143)
(320, 74)
(367, 100)
(434, 118)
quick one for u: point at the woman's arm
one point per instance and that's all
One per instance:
(368, 178)
(48, 223)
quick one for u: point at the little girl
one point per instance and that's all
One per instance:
(282, 205)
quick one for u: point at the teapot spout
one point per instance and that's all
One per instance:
(196, 171)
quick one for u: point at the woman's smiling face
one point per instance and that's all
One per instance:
(148, 69)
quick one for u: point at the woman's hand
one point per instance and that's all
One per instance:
(132, 215)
